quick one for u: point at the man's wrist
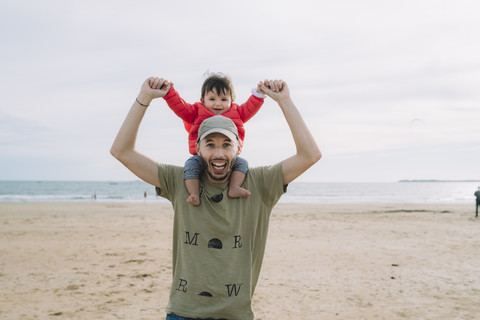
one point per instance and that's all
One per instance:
(143, 100)
(143, 105)
(285, 101)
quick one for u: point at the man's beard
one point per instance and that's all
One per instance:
(216, 178)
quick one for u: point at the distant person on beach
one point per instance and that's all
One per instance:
(218, 246)
(477, 194)
(217, 96)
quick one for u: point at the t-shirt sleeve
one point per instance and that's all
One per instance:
(168, 176)
(269, 182)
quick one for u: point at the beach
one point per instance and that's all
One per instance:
(322, 261)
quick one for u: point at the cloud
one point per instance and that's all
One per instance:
(360, 72)
(21, 136)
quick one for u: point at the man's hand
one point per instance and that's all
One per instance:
(275, 89)
(152, 88)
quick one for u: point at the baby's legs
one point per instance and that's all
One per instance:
(235, 189)
(192, 170)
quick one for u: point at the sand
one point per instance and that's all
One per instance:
(112, 261)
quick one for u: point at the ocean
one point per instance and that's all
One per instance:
(298, 192)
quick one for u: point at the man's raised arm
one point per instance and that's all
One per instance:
(123, 148)
(308, 152)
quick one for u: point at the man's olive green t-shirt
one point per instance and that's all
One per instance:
(218, 247)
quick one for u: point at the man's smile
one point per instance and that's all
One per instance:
(218, 165)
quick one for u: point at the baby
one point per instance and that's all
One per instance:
(217, 98)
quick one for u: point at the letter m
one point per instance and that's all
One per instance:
(191, 241)
(233, 288)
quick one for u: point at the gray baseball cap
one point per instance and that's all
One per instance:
(218, 124)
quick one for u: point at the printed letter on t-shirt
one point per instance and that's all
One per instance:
(237, 242)
(191, 241)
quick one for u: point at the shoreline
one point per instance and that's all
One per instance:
(333, 261)
(163, 202)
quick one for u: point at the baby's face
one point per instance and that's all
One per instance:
(217, 103)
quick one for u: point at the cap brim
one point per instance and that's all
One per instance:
(225, 132)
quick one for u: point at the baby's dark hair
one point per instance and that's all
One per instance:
(220, 82)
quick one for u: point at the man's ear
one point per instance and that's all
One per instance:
(197, 148)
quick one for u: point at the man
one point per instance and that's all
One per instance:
(218, 246)
(477, 194)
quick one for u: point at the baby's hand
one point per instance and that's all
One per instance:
(259, 88)
(155, 87)
(160, 86)
(275, 89)
(274, 85)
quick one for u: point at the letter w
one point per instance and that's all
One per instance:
(232, 288)
(193, 240)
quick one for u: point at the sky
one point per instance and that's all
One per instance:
(389, 89)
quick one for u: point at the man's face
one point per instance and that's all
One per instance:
(217, 103)
(219, 153)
